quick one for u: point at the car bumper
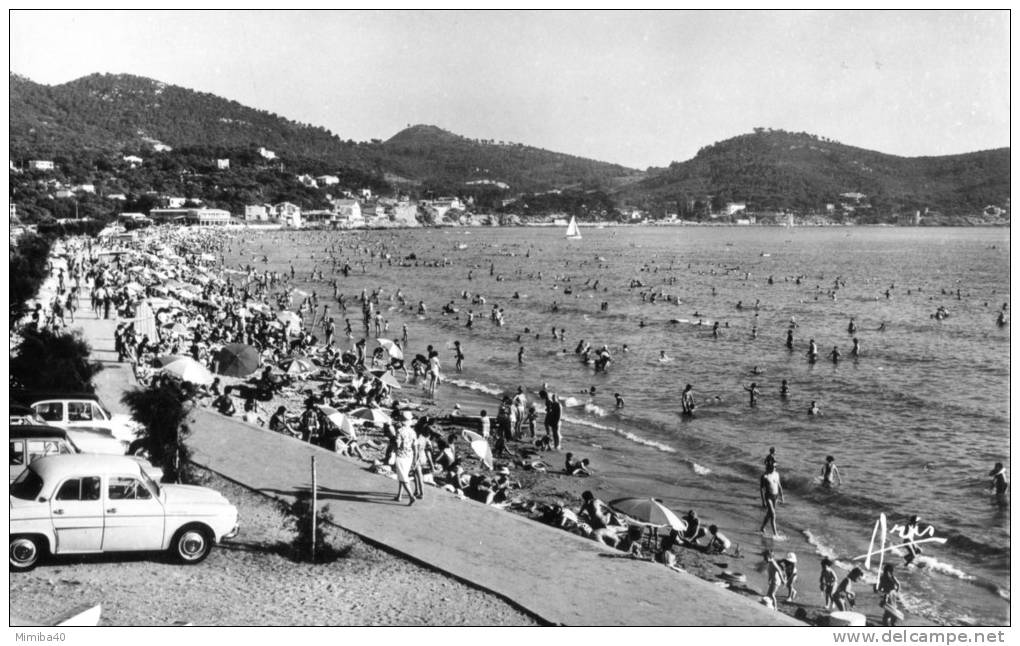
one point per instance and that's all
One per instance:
(232, 533)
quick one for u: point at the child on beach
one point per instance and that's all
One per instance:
(844, 597)
(789, 565)
(775, 575)
(530, 417)
(485, 424)
(718, 544)
(827, 583)
(754, 392)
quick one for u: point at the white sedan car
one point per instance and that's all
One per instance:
(79, 504)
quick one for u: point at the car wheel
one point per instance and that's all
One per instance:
(25, 553)
(192, 544)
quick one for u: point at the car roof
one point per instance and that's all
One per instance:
(32, 396)
(57, 466)
(31, 431)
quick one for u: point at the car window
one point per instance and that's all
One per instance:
(79, 489)
(79, 411)
(17, 452)
(98, 412)
(127, 488)
(27, 485)
(41, 448)
(50, 411)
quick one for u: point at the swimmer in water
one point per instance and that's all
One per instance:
(830, 472)
(812, 352)
(813, 409)
(662, 356)
(619, 400)
(784, 390)
(754, 392)
(999, 482)
(835, 355)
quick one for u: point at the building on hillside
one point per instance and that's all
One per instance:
(197, 216)
(488, 182)
(133, 160)
(161, 148)
(316, 217)
(307, 180)
(347, 212)
(84, 188)
(327, 180)
(64, 193)
(288, 214)
(116, 196)
(853, 196)
(172, 201)
(404, 213)
(266, 153)
(40, 164)
(258, 212)
(735, 207)
(223, 164)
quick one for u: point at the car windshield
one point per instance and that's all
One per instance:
(27, 485)
(150, 483)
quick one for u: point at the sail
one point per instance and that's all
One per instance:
(572, 230)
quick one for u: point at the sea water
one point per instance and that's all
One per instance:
(915, 423)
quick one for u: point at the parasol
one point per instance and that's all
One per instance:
(650, 511)
(237, 360)
(480, 446)
(187, 369)
(391, 348)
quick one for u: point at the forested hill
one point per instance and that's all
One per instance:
(444, 158)
(774, 169)
(125, 113)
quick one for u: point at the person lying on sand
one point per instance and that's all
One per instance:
(578, 468)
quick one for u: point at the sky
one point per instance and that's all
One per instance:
(638, 88)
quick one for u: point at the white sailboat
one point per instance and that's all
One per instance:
(573, 233)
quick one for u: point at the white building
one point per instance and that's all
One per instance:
(85, 188)
(307, 180)
(735, 207)
(327, 180)
(40, 164)
(173, 202)
(134, 160)
(201, 216)
(161, 148)
(223, 164)
(347, 211)
(117, 196)
(267, 154)
(260, 212)
(288, 214)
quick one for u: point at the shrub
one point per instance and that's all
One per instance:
(162, 412)
(48, 360)
(300, 521)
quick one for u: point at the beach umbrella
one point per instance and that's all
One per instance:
(375, 415)
(391, 348)
(480, 446)
(187, 369)
(237, 360)
(339, 420)
(134, 286)
(297, 365)
(389, 380)
(288, 318)
(167, 359)
(648, 510)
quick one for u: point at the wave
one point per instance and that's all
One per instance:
(700, 470)
(474, 385)
(665, 448)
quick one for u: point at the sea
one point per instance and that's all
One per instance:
(915, 423)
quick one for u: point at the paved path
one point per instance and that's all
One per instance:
(559, 577)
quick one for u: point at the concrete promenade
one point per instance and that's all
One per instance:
(557, 576)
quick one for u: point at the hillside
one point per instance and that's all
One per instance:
(774, 169)
(115, 113)
(445, 159)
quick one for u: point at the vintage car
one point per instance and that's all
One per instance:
(79, 504)
(79, 411)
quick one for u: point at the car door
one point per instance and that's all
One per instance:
(76, 510)
(133, 516)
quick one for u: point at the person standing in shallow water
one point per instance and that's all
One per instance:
(754, 392)
(771, 490)
(687, 400)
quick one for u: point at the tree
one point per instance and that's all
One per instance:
(49, 360)
(162, 412)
